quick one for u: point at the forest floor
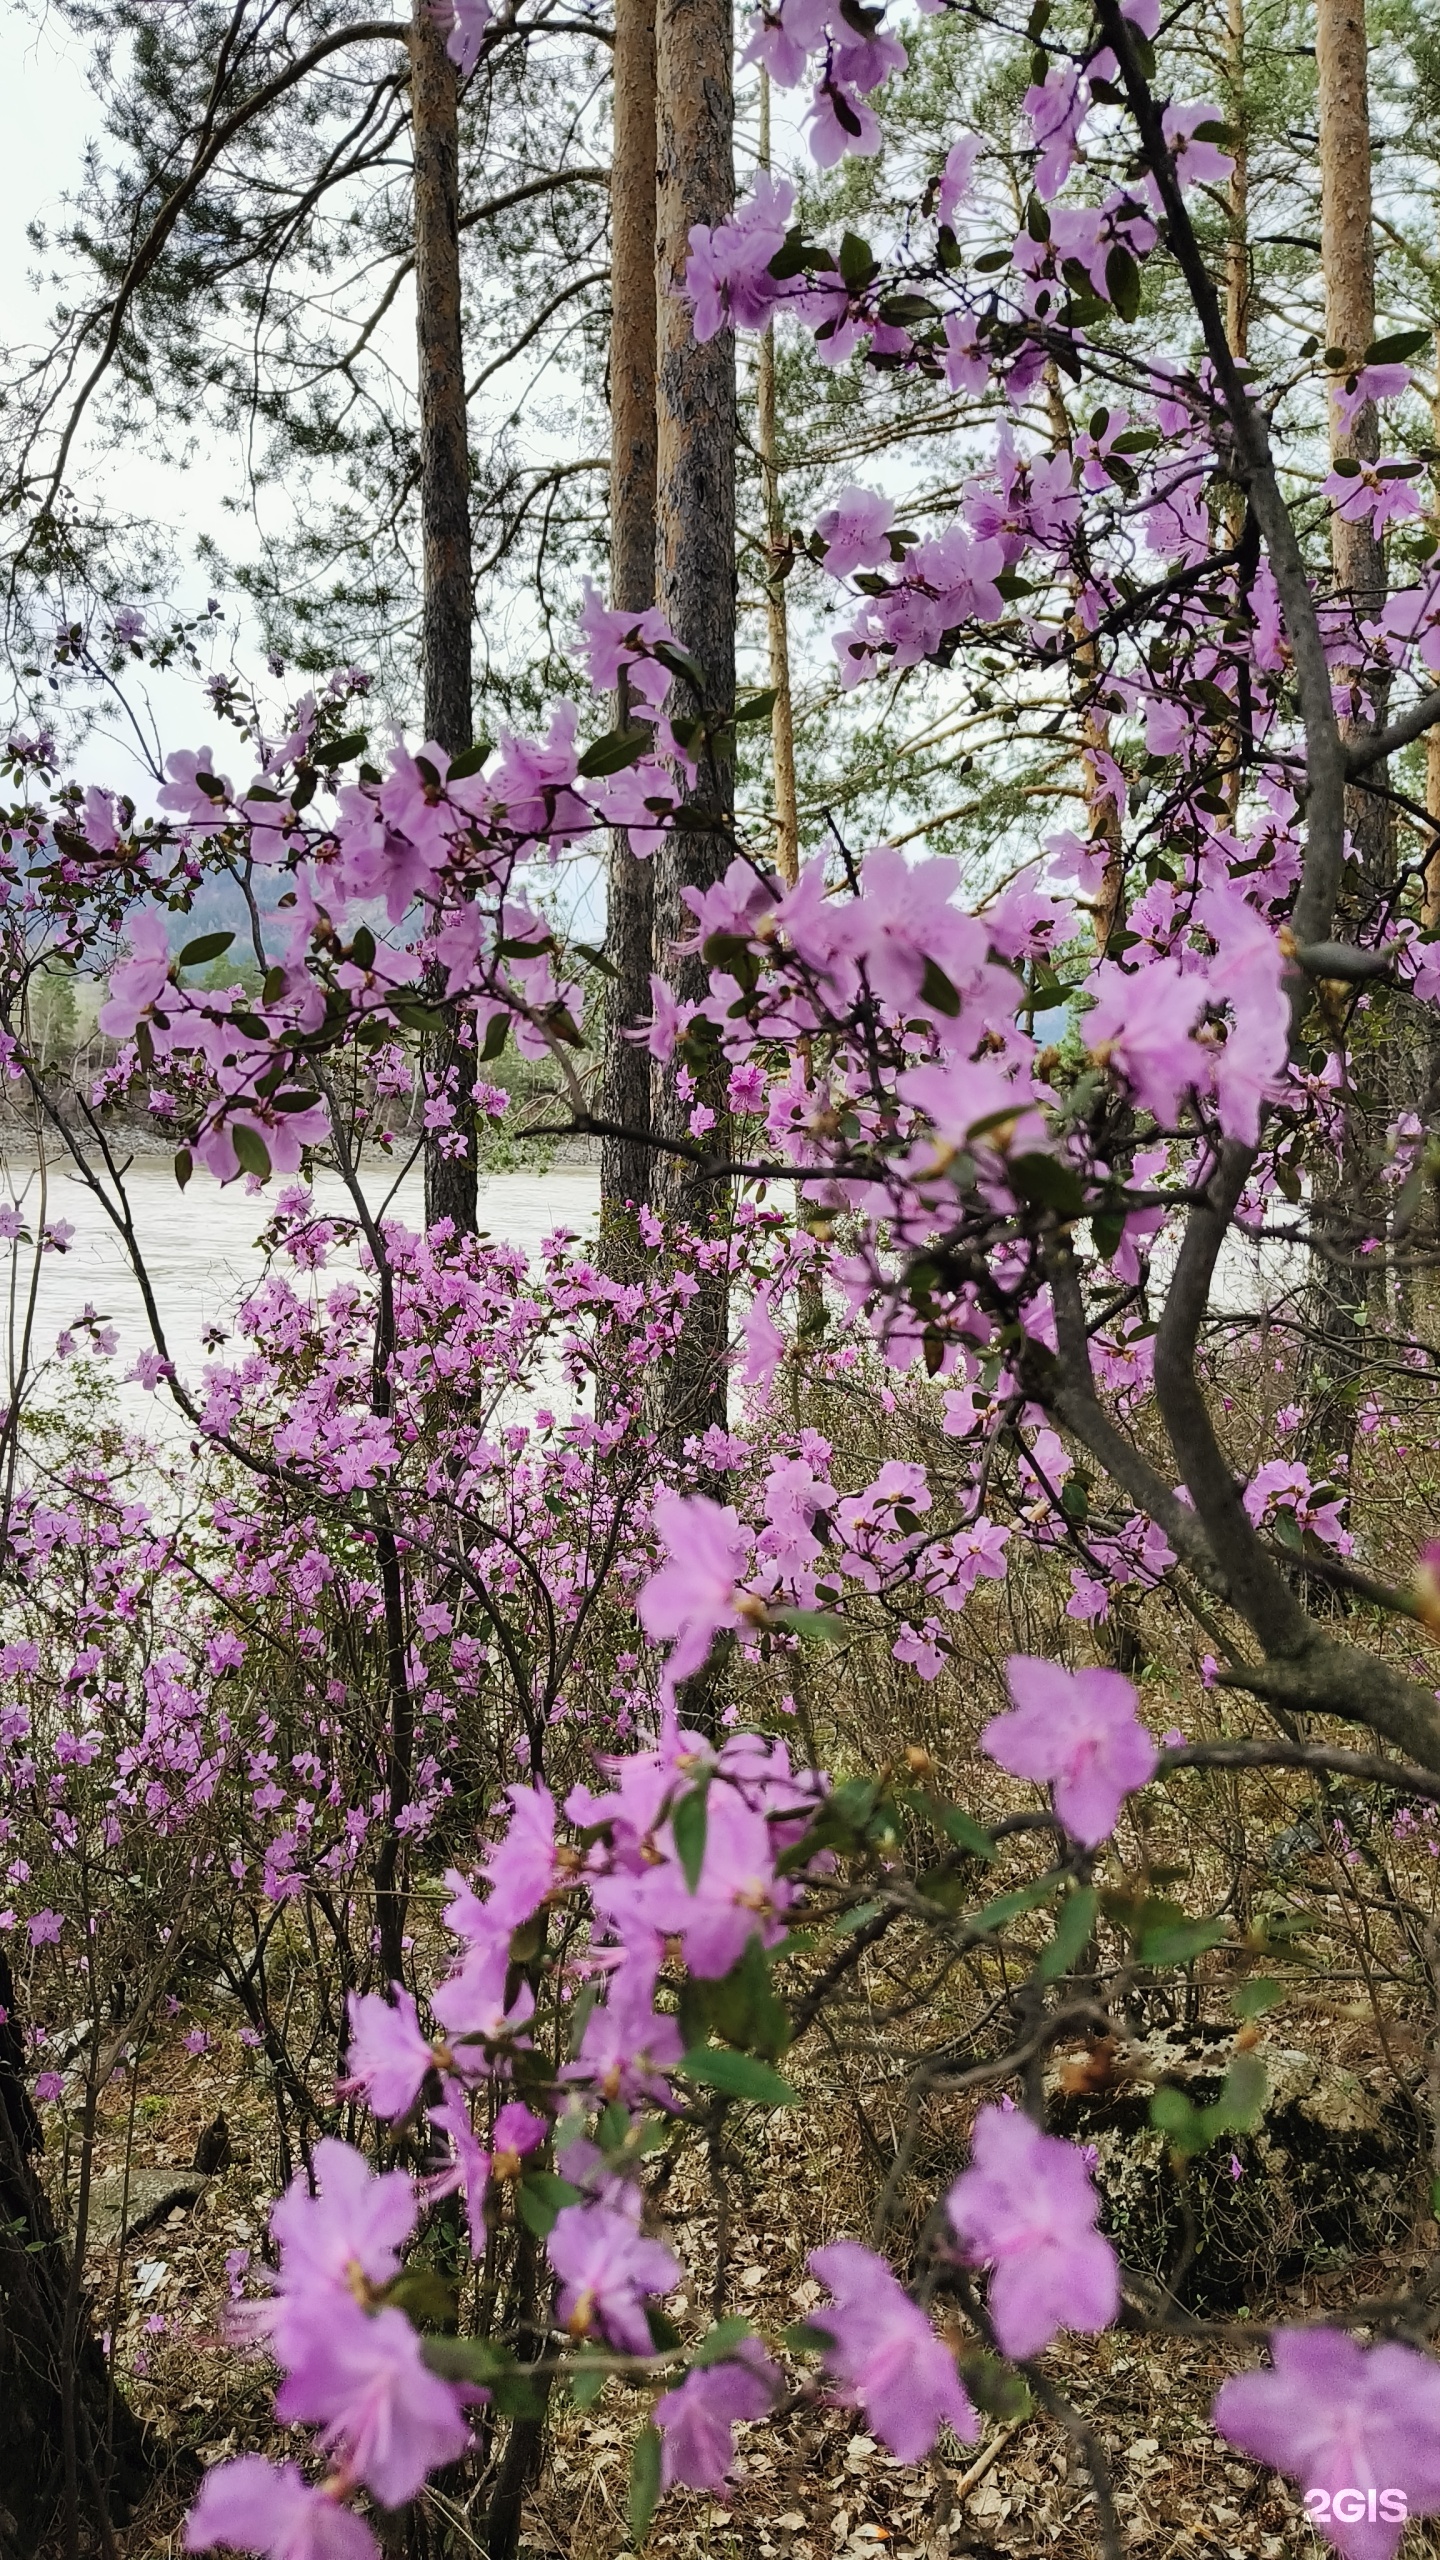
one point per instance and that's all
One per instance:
(814, 2485)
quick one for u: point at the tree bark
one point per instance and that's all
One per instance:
(446, 586)
(782, 717)
(625, 1162)
(1345, 1199)
(37, 2284)
(695, 580)
(1347, 248)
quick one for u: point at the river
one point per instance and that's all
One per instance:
(202, 1255)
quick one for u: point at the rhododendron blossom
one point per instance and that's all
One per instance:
(1078, 1731)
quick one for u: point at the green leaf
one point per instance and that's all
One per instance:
(587, 2382)
(340, 750)
(1072, 1934)
(1253, 1998)
(743, 2010)
(807, 2338)
(541, 2197)
(468, 2359)
(859, 1918)
(664, 2336)
(756, 706)
(937, 991)
(496, 1034)
(688, 1824)
(644, 2483)
(1009, 1906)
(614, 751)
(857, 262)
(1240, 2103)
(462, 767)
(995, 2386)
(812, 1622)
(422, 2293)
(720, 2343)
(250, 1149)
(1045, 1183)
(1178, 1942)
(1398, 348)
(1122, 282)
(184, 1166)
(956, 1824)
(735, 2075)
(907, 310)
(207, 946)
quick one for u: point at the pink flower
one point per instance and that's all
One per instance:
(736, 1893)
(1372, 382)
(1142, 1024)
(727, 276)
(136, 983)
(957, 176)
(389, 2056)
(1376, 493)
(696, 2419)
(517, 2131)
(856, 531)
(470, 20)
(886, 2353)
(606, 2267)
(467, 2172)
(362, 2378)
(627, 2043)
(355, 2220)
(194, 789)
(695, 1593)
(1197, 161)
(521, 1866)
(249, 2505)
(1077, 1730)
(1361, 2423)
(43, 1928)
(49, 2086)
(1027, 2208)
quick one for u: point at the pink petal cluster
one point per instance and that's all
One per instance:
(1026, 2208)
(1360, 2423)
(883, 2349)
(1078, 1732)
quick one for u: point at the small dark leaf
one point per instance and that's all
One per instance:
(250, 1149)
(720, 2343)
(1045, 1183)
(735, 2075)
(207, 946)
(614, 751)
(340, 750)
(1122, 282)
(644, 2483)
(184, 1166)
(937, 991)
(1399, 347)
(688, 1825)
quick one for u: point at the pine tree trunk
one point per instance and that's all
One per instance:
(1345, 1199)
(695, 578)
(782, 717)
(625, 1161)
(1347, 248)
(47, 2500)
(446, 600)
